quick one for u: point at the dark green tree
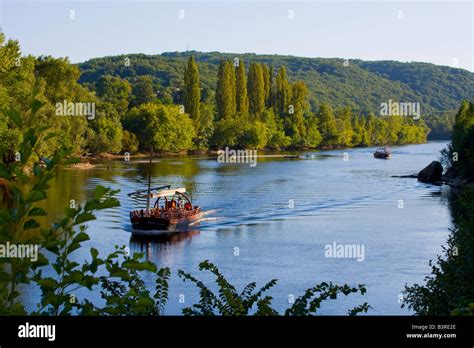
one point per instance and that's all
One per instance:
(143, 91)
(115, 91)
(241, 90)
(192, 92)
(267, 82)
(225, 90)
(327, 125)
(282, 93)
(256, 89)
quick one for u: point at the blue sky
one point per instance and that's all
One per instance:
(436, 32)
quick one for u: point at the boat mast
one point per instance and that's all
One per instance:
(148, 196)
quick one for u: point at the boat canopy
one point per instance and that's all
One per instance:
(166, 193)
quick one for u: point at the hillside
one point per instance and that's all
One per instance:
(362, 85)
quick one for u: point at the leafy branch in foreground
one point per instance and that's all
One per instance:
(229, 302)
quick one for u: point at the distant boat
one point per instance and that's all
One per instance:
(383, 152)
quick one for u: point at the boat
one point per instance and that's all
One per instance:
(173, 210)
(383, 152)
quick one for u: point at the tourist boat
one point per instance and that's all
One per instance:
(383, 152)
(172, 210)
(177, 212)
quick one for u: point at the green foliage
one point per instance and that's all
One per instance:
(311, 300)
(105, 134)
(163, 127)
(192, 92)
(228, 301)
(143, 92)
(129, 142)
(225, 90)
(282, 93)
(62, 240)
(327, 125)
(462, 153)
(114, 90)
(256, 89)
(362, 85)
(242, 100)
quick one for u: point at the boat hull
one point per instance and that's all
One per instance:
(164, 224)
(382, 155)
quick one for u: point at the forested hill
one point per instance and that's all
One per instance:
(362, 85)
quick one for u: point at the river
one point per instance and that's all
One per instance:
(277, 220)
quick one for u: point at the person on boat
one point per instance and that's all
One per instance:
(188, 206)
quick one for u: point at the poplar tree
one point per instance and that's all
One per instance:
(267, 83)
(282, 93)
(225, 90)
(300, 105)
(242, 101)
(327, 124)
(192, 92)
(256, 89)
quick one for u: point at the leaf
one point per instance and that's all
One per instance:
(80, 237)
(94, 253)
(30, 224)
(100, 191)
(36, 105)
(84, 217)
(37, 211)
(15, 116)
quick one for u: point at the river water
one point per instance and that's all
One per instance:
(278, 219)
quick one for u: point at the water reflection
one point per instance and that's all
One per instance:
(152, 246)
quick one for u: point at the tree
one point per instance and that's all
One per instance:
(105, 133)
(115, 91)
(192, 92)
(345, 131)
(225, 90)
(163, 127)
(242, 100)
(256, 89)
(282, 93)
(267, 80)
(294, 122)
(312, 138)
(142, 91)
(327, 125)
(129, 142)
(463, 140)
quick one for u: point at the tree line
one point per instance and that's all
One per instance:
(255, 108)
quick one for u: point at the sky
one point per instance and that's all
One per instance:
(438, 32)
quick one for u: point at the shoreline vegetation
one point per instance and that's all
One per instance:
(250, 105)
